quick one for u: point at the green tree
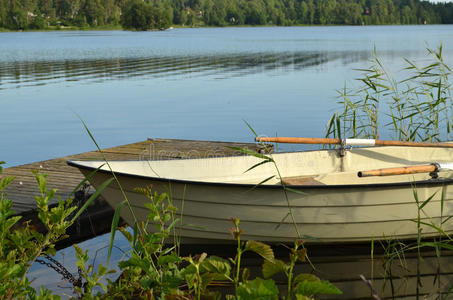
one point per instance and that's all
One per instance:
(136, 15)
(214, 12)
(302, 13)
(3, 13)
(139, 15)
(255, 14)
(47, 8)
(94, 12)
(17, 19)
(234, 14)
(37, 22)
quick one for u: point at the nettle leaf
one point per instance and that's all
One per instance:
(136, 261)
(190, 279)
(261, 249)
(216, 265)
(168, 259)
(171, 280)
(305, 277)
(310, 287)
(189, 270)
(258, 289)
(148, 282)
(270, 268)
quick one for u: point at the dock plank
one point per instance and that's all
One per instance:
(64, 178)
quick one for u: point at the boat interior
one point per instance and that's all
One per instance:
(322, 167)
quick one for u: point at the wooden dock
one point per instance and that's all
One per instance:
(64, 178)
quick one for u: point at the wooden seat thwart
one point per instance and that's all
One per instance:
(301, 180)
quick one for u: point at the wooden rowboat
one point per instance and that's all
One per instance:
(329, 202)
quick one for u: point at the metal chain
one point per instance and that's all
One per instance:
(60, 269)
(80, 196)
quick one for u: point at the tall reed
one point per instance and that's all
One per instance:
(415, 108)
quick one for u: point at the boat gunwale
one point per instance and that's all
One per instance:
(429, 182)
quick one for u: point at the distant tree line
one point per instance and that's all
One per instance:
(160, 14)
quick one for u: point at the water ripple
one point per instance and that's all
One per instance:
(31, 73)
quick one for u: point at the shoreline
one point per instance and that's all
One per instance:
(120, 28)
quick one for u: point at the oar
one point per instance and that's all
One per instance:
(434, 167)
(350, 142)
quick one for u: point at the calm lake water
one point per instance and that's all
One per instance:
(183, 83)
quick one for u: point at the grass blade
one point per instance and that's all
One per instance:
(115, 221)
(92, 197)
(257, 165)
(250, 127)
(252, 153)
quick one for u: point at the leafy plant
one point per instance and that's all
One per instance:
(21, 245)
(302, 286)
(152, 268)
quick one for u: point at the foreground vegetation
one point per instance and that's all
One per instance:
(152, 269)
(160, 14)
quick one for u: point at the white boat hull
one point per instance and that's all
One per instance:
(342, 208)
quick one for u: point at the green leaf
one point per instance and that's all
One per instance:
(216, 265)
(206, 279)
(5, 182)
(257, 165)
(252, 153)
(294, 191)
(102, 270)
(437, 245)
(126, 234)
(250, 127)
(258, 289)
(427, 200)
(261, 249)
(262, 182)
(271, 268)
(168, 259)
(322, 287)
(305, 277)
(115, 221)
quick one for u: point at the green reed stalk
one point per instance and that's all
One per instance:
(419, 106)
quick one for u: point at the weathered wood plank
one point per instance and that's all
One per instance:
(65, 178)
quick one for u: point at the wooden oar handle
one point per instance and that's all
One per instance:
(350, 142)
(399, 171)
(412, 144)
(294, 140)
